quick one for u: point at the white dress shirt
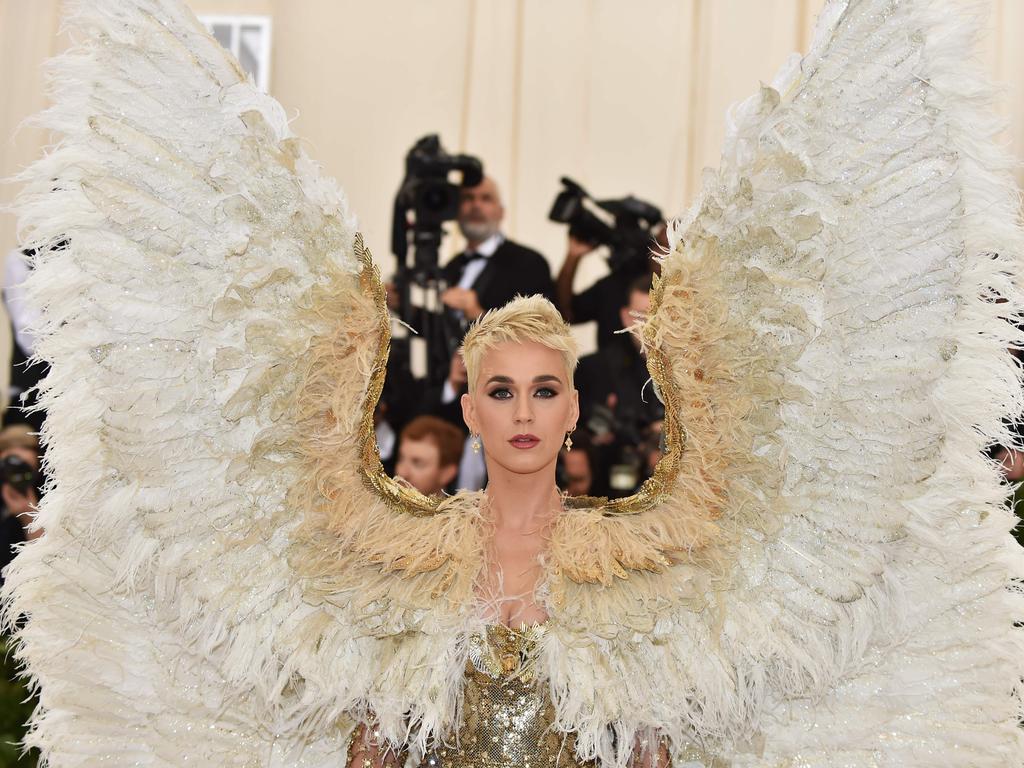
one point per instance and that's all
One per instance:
(23, 314)
(476, 266)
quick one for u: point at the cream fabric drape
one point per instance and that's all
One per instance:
(624, 97)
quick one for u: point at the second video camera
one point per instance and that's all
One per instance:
(628, 235)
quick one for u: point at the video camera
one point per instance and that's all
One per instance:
(629, 233)
(427, 199)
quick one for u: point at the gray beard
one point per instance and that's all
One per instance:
(476, 231)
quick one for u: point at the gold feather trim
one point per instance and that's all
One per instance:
(366, 534)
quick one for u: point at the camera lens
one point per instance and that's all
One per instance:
(436, 197)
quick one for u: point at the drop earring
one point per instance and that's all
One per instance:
(476, 443)
(568, 440)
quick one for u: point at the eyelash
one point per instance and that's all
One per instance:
(495, 392)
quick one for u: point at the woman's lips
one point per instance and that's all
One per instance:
(524, 442)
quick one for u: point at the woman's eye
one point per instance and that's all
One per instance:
(500, 394)
(545, 392)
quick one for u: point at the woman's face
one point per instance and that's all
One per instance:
(521, 406)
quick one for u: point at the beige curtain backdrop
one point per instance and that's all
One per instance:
(626, 97)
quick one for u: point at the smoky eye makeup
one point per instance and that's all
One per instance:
(546, 386)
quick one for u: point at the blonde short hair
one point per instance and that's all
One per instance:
(524, 319)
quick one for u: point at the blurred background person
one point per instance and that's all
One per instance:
(20, 478)
(492, 270)
(601, 302)
(24, 374)
(630, 229)
(429, 450)
(443, 400)
(576, 466)
(617, 403)
(439, 302)
(21, 483)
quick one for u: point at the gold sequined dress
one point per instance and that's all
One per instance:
(507, 718)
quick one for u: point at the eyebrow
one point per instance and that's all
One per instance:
(536, 379)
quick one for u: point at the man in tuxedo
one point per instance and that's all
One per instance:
(492, 270)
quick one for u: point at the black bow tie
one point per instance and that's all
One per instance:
(472, 256)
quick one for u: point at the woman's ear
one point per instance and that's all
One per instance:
(468, 413)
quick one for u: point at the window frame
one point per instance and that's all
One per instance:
(236, 21)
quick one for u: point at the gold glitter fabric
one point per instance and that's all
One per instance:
(507, 718)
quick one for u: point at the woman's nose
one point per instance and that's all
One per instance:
(524, 412)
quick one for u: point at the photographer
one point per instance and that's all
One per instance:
(492, 270)
(618, 405)
(20, 478)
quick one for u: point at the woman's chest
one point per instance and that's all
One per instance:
(512, 575)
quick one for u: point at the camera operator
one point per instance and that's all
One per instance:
(602, 301)
(440, 302)
(629, 227)
(618, 405)
(492, 270)
(20, 478)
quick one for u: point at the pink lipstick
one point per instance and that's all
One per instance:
(524, 442)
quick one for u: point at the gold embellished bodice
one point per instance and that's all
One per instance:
(507, 718)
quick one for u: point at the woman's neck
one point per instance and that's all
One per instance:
(523, 502)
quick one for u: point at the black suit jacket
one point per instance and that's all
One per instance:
(512, 270)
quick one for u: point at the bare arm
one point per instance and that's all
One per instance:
(651, 752)
(563, 284)
(366, 751)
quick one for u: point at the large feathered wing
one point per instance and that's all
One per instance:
(211, 587)
(821, 573)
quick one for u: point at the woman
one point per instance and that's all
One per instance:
(521, 409)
